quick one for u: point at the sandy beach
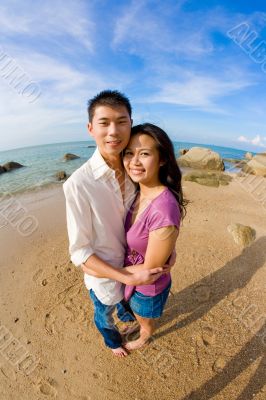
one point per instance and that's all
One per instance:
(210, 343)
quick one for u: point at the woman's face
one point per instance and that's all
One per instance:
(142, 160)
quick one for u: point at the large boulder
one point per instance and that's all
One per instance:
(69, 156)
(201, 158)
(2, 170)
(242, 234)
(9, 166)
(208, 178)
(248, 156)
(257, 165)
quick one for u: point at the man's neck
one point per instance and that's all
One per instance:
(114, 162)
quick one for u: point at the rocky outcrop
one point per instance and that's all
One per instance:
(2, 170)
(248, 156)
(256, 166)
(69, 157)
(201, 158)
(242, 234)
(208, 178)
(183, 151)
(9, 166)
(61, 176)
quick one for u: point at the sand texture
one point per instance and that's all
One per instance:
(210, 343)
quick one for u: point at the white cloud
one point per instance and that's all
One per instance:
(256, 141)
(48, 20)
(199, 91)
(243, 139)
(60, 107)
(146, 27)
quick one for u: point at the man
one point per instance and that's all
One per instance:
(98, 196)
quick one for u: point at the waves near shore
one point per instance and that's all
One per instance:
(43, 162)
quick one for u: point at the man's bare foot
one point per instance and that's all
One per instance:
(120, 352)
(136, 344)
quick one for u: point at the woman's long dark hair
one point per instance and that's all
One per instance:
(169, 173)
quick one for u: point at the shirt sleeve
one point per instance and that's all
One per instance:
(164, 213)
(79, 223)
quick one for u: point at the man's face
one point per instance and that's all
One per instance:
(110, 128)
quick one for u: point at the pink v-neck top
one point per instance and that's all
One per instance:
(161, 212)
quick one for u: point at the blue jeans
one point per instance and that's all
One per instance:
(103, 318)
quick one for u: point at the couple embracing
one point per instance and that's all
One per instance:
(124, 207)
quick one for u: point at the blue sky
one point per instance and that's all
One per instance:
(175, 60)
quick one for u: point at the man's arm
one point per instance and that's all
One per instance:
(160, 246)
(96, 267)
(80, 231)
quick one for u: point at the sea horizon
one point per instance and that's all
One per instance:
(93, 142)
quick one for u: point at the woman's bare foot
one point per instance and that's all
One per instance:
(137, 344)
(129, 328)
(120, 352)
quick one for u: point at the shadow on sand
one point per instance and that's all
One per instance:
(199, 298)
(253, 350)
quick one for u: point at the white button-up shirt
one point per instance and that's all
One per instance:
(95, 220)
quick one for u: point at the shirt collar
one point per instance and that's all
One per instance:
(99, 166)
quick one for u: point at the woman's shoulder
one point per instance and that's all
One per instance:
(164, 211)
(165, 198)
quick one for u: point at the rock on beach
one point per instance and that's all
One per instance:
(257, 165)
(9, 166)
(242, 234)
(248, 156)
(208, 178)
(61, 176)
(70, 156)
(201, 158)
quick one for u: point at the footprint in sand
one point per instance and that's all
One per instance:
(208, 336)
(37, 276)
(49, 323)
(69, 292)
(202, 293)
(47, 389)
(8, 372)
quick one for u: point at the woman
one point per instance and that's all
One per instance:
(152, 223)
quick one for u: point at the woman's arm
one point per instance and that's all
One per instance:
(96, 267)
(161, 244)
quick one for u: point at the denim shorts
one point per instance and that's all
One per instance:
(149, 306)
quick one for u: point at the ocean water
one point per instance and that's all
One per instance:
(42, 163)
